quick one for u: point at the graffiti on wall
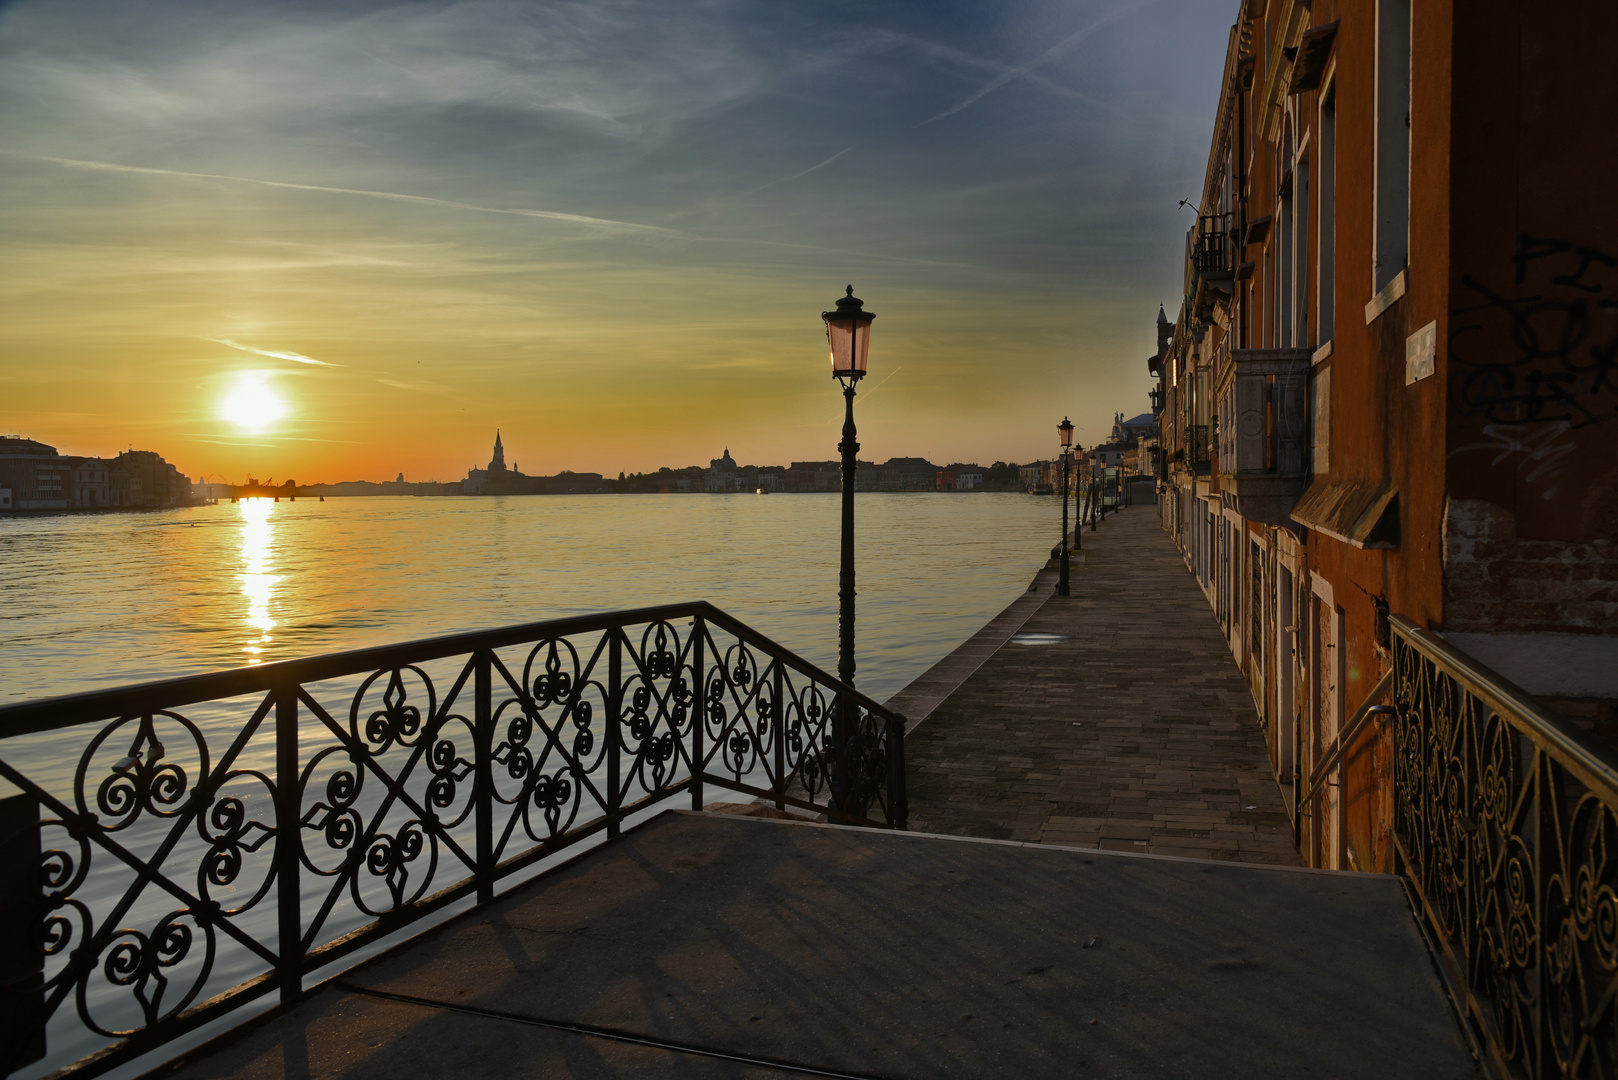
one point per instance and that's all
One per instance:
(1541, 363)
(1561, 339)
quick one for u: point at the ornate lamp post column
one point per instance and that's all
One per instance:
(1064, 431)
(848, 333)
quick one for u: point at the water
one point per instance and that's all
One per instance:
(95, 601)
(91, 601)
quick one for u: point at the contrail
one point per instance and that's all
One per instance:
(1037, 62)
(806, 172)
(394, 196)
(604, 224)
(298, 357)
(868, 393)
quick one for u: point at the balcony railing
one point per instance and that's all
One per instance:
(1197, 445)
(1506, 826)
(206, 841)
(1210, 244)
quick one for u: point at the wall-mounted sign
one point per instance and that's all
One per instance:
(1421, 353)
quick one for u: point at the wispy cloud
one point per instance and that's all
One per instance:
(418, 387)
(392, 196)
(273, 353)
(1055, 52)
(600, 226)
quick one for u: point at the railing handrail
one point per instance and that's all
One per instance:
(1504, 819)
(47, 714)
(395, 788)
(1507, 698)
(1345, 738)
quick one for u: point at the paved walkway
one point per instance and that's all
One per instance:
(1137, 733)
(716, 948)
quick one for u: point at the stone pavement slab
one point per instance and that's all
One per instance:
(875, 954)
(1136, 733)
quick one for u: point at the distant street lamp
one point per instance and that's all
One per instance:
(1095, 507)
(1078, 501)
(848, 332)
(1064, 431)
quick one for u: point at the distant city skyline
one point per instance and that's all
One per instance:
(351, 240)
(267, 471)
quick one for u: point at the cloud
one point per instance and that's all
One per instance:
(1055, 52)
(626, 69)
(419, 387)
(297, 357)
(392, 196)
(596, 225)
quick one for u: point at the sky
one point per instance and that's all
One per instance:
(342, 240)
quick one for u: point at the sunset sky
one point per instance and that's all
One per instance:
(340, 240)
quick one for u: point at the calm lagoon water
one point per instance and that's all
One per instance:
(92, 601)
(96, 601)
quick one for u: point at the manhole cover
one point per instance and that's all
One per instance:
(1036, 637)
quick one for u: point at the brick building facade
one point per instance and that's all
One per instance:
(1390, 388)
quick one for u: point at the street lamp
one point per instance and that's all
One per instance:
(1095, 502)
(1064, 431)
(1078, 500)
(848, 333)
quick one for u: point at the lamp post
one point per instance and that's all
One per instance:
(848, 333)
(1078, 500)
(1095, 507)
(1064, 431)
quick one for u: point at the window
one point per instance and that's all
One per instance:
(1269, 297)
(1326, 241)
(1281, 306)
(1300, 255)
(1283, 297)
(1255, 620)
(1392, 239)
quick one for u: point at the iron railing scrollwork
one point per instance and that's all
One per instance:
(1197, 449)
(209, 840)
(1506, 825)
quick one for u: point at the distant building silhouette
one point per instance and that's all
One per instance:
(724, 474)
(497, 479)
(33, 476)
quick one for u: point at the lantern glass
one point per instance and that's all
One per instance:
(850, 341)
(1064, 431)
(848, 334)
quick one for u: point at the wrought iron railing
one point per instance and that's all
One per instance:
(1210, 244)
(1197, 449)
(1506, 826)
(208, 840)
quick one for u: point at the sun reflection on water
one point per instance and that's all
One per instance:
(258, 584)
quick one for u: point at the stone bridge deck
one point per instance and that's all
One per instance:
(706, 946)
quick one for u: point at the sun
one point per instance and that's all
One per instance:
(251, 405)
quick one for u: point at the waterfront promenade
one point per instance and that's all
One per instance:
(1135, 733)
(713, 946)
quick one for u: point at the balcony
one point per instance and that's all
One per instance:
(1263, 397)
(1196, 448)
(1209, 264)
